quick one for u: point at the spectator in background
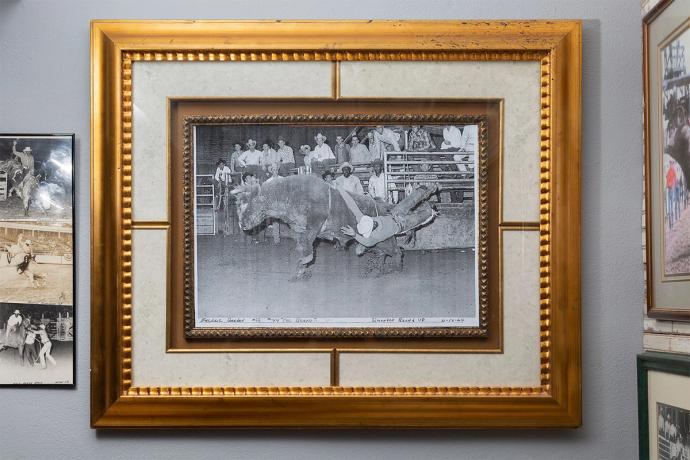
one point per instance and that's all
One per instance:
(222, 177)
(387, 140)
(452, 138)
(348, 182)
(234, 157)
(327, 176)
(359, 153)
(287, 157)
(322, 155)
(377, 182)
(322, 152)
(374, 147)
(269, 156)
(251, 156)
(341, 150)
(468, 141)
(419, 140)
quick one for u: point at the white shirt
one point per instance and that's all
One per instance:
(359, 153)
(350, 184)
(250, 157)
(389, 137)
(468, 142)
(222, 174)
(13, 321)
(322, 152)
(269, 156)
(452, 138)
(377, 186)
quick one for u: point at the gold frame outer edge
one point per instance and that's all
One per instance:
(556, 44)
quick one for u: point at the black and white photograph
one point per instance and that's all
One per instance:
(335, 225)
(673, 432)
(36, 344)
(36, 177)
(36, 262)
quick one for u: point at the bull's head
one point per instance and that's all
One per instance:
(251, 209)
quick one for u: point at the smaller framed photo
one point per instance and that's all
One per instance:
(36, 344)
(666, 44)
(663, 385)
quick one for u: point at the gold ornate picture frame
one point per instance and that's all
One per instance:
(330, 387)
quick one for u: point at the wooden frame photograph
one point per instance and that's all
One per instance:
(487, 170)
(666, 38)
(663, 417)
(155, 82)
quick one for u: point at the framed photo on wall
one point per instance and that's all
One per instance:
(666, 35)
(335, 223)
(36, 259)
(429, 279)
(664, 405)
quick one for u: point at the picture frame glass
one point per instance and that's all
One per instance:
(37, 262)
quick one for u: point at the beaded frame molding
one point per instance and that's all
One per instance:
(116, 402)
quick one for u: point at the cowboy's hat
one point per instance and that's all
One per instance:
(27, 149)
(345, 165)
(27, 241)
(319, 135)
(251, 142)
(16, 312)
(365, 226)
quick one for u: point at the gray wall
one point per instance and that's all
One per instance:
(44, 87)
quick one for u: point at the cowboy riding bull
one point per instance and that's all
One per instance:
(314, 209)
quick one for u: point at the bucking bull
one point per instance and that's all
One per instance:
(313, 209)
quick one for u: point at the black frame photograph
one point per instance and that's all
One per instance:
(37, 277)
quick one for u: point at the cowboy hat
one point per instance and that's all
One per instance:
(319, 135)
(27, 241)
(345, 165)
(27, 149)
(251, 142)
(16, 312)
(365, 226)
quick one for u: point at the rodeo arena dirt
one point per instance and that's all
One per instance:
(374, 221)
(36, 344)
(36, 262)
